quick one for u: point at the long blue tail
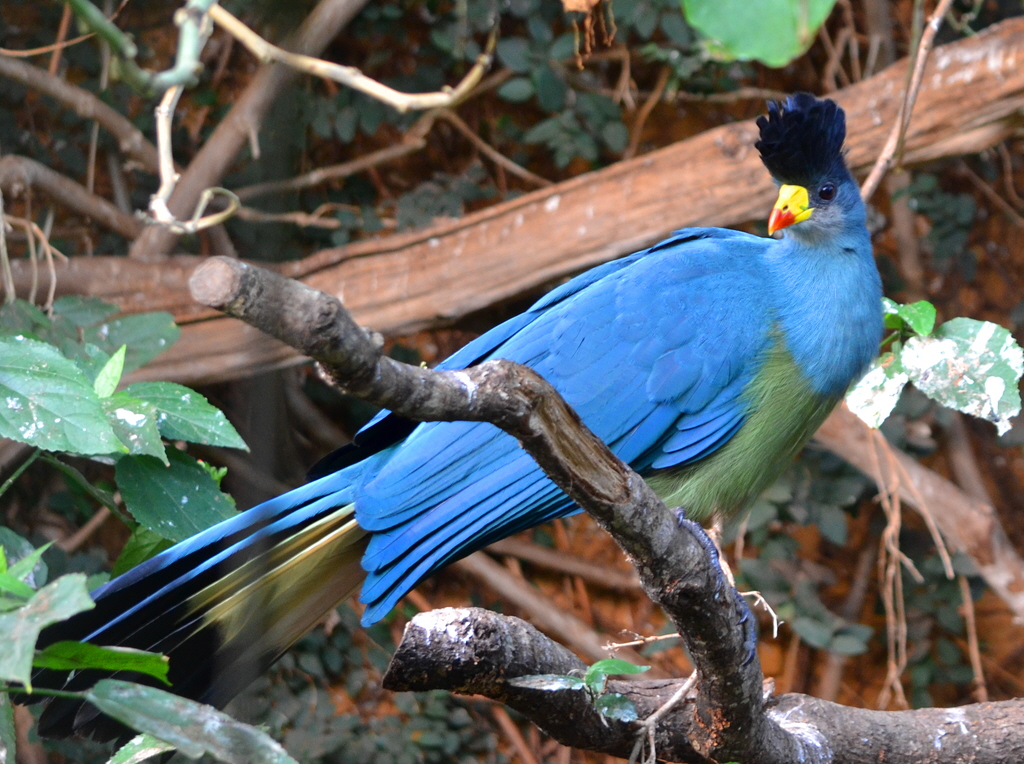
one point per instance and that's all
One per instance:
(223, 605)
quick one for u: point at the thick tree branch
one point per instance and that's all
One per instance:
(475, 651)
(677, 564)
(727, 718)
(971, 99)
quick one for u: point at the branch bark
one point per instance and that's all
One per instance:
(19, 174)
(729, 718)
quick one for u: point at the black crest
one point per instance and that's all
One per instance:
(802, 139)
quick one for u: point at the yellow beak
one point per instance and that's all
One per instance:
(792, 206)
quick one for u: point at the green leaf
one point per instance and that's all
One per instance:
(139, 749)
(106, 381)
(47, 402)
(191, 727)
(845, 644)
(8, 736)
(22, 560)
(771, 31)
(54, 602)
(516, 90)
(13, 585)
(71, 656)
(135, 423)
(918, 316)
(813, 632)
(831, 521)
(184, 414)
(83, 311)
(598, 673)
(146, 335)
(616, 706)
(175, 502)
(141, 545)
(514, 52)
(548, 682)
(22, 317)
(968, 365)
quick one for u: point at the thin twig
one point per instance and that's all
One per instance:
(487, 150)
(645, 111)
(649, 725)
(349, 75)
(513, 734)
(967, 611)
(1011, 188)
(79, 537)
(62, 36)
(990, 193)
(899, 128)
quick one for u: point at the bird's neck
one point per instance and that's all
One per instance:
(828, 302)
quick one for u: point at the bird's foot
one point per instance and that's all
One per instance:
(744, 615)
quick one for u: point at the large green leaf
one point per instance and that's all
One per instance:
(54, 602)
(71, 656)
(175, 502)
(191, 727)
(46, 401)
(771, 31)
(146, 335)
(184, 414)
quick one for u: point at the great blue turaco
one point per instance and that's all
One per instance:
(705, 361)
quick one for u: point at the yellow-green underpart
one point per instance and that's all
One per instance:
(784, 413)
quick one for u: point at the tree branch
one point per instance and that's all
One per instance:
(676, 561)
(130, 140)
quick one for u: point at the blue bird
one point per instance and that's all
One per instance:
(705, 362)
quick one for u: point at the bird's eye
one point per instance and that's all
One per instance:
(827, 192)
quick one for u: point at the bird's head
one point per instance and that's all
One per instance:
(802, 146)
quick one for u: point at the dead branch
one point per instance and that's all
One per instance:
(20, 174)
(970, 526)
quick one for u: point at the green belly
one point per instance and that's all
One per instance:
(784, 413)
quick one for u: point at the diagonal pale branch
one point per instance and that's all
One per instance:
(349, 75)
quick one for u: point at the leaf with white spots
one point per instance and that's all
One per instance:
(184, 414)
(46, 401)
(874, 396)
(135, 424)
(177, 501)
(971, 366)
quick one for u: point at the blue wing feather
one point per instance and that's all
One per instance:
(650, 383)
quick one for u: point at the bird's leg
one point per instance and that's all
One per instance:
(744, 615)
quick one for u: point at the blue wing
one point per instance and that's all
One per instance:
(653, 351)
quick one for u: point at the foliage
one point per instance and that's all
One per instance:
(59, 380)
(971, 366)
(771, 31)
(610, 704)
(951, 216)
